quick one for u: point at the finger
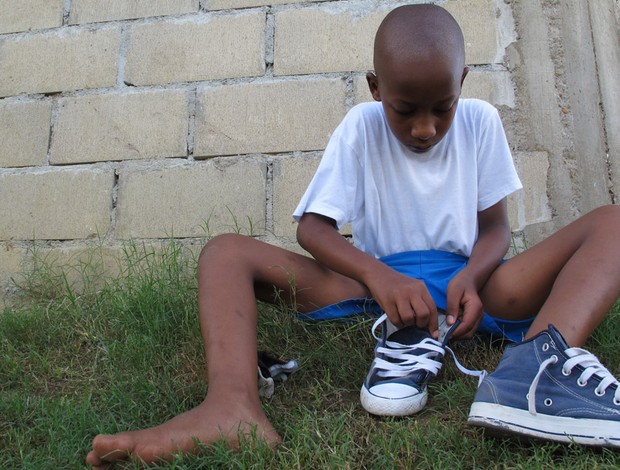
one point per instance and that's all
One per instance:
(420, 314)
(463, 331)
(407, 313)
(453, 308)
(393, 315)
(426, 315)
(471, 318)
(433, 321)
(433, 325)
(468, 333)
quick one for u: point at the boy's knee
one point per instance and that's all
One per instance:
(612, 210)
(221, 244)
(608, 216)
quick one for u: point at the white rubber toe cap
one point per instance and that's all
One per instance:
(392, 399)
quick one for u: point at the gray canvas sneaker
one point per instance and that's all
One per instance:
(544, 388)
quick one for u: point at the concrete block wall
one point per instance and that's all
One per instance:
(148, 119)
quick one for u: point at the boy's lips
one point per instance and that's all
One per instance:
(420, 148)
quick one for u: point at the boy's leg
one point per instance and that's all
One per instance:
(233, 271)
(570, 280)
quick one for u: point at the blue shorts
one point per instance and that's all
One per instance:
(436, 269)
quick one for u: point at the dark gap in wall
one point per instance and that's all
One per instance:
(66, 12)
(269, 226)
(191, 123)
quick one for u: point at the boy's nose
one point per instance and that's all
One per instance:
(423, 128)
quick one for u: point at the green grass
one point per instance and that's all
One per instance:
(128, 354)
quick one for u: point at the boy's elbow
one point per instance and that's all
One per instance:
(309, 226)
(300, 232)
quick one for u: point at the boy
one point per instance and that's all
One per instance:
(423, 177)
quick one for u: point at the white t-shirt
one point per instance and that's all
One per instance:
(397, 200)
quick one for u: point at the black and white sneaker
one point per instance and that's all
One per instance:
(405, 360)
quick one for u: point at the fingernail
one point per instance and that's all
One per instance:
(450, 319)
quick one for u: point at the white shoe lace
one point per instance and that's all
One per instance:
(405, 362)
(592, 366)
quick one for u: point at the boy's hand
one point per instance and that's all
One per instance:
(405, 300)
(463, 302)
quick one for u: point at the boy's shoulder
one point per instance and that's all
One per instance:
(474, 108)
(476, 103)
(368, 110)
(362, 117)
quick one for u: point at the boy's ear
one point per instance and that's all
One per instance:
(373, 86)
(465, 72)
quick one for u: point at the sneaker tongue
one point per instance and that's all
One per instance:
(406, 336)
(409, 335)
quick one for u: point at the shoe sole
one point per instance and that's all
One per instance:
(392, 406)
(503, 419)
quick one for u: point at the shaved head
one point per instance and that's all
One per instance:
(419, 60)
(415, 34)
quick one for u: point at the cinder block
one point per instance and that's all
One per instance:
(290, 180)
(515, 211)
(68, 60)
(325, 39)
(88, 267)
(268, 117)
(28, 15)
(24, 132)
(81, 268)
(339, 36)
(12, 265)
(227, 46)
(361, 93)
(494, 87)
(229, 4)
(196, 200)
(121, 127)
(92, 11)
(478, 21)
(533, 169)
(59, 204)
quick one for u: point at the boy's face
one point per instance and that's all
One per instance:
(419, 101)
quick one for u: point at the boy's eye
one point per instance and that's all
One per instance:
(445, 108)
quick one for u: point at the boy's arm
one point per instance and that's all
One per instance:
(406, 301)
(491, 246)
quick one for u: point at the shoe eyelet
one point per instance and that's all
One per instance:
(599, 393)
(545, 347)
(616, 402)
(582, 383)
(548, 402)
(566, 372)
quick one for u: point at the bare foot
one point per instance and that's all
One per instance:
(203, 425)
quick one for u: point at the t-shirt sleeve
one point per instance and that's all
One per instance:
(334, 189)
(497, 176)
